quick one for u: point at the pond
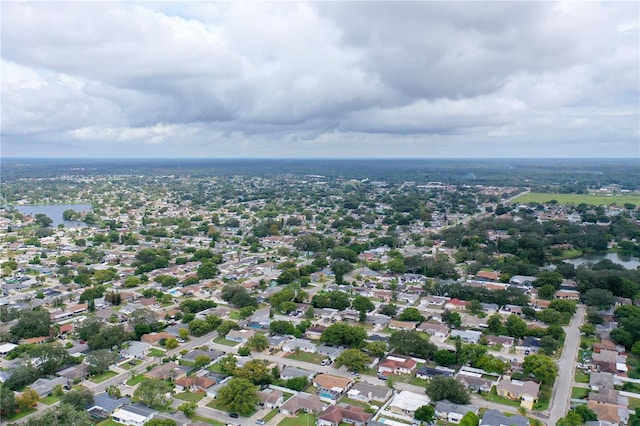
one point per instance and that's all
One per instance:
(54, 211)
(629, 262)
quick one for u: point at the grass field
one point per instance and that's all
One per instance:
(207, 420)
(579, 393)
(99, 378)
(581, 377)
(190, 396)
(307, 357)
(50, 400)
(135, 380)
(215, 404)
(223, 341)
(303, 419)
(21, 414)
(589, 199)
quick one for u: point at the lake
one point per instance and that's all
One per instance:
(54, 211)
(629, 262)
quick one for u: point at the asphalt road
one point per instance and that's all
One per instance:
(560, 401)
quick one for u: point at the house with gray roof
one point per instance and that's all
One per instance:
(103, 405)
(496, 418)
(467, 336)
(303, 344)
(294, 372)
(212, 354)
(367, 392)
(135, 350)
(453, 413)
(330, 351)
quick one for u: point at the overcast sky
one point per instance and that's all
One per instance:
(330, 79)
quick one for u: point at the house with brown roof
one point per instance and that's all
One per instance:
(525, 391)
(487, 276)
(167, 371)
(610, 412)
(402, 325)
(315, 332)
(456, 304)
(394, 364)
(155, 338)
(194, 383)
(434, 329)
(505, 341)
(610, 396)
(343, 413)
(331, 387)
(271, 398)
(302, 402)
(34, 340)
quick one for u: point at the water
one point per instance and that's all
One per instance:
(54, 211)
(629, 262)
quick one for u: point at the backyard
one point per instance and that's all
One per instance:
(190, 396)
(307, 357)
(223, 341)
(99, 378)
(581, 377)
(303, 419)
(494, 397)
(579, 393)
(215, 404)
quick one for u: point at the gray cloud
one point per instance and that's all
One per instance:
(320, 79)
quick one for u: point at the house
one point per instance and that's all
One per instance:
(453, 413)
(567, 294)
(194, 383)
(315, 332)
(394, 364)
(402, 325)
(301, 401)
(271, 398)
(240, 336)
(505, 341)
(428, 373)
(599, 380)
(294, 372)
(405, 403)
(531, 344)
(76, 372)
(487, 276)
(155, 338)
(331, 387)
(434, 329)
(135, 350)
(277, 342)
(455, 304)
(343, 413)
(496, 418)
(330, 351)
(524, 391)
(302, 344)
(610, 396)
(367, 392)
(5, 348)
(169, 370)
(613, 413)
(34, 340)
(103, 405)
(467, 336)
(133, 415)
(212, 354)
(474, 378)
(44, 386)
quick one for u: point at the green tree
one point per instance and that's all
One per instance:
(362, 304)
(32, 323)
(425, 413)
(377, 349)
(153, 392)
(571, 419)
(258, 342)
(28, 398)
(444, 357)
(297, 383)
(161, 422)
(541, 367)
(171, 343)
(79, 398)
(7, 402)
(470, 419)
(452, 318)
(411, 314)
(228, 364)
(342, 334)
(255, 371)
(101, 359)
(516, 326)
(494, 324)
(598, 297)
(411, 342)
(354, 359)
(239, 395)
(188, 408)
(63, 414)
(201, 361)
(448, 388)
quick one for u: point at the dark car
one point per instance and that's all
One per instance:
(234, 415)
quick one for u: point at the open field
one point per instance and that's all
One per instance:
(590, 199)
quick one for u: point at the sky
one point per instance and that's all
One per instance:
(320, 79)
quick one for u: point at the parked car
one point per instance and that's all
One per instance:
(260, 422)
(233, 415)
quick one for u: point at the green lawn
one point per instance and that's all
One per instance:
(581, 377)
(494, 397)
(155, 352)
(108, 422)
(223, 341)
(234, 315)
(589, 199)
(544, 397)
(135, 380)
(21, 414)
(302, 419)
(634, 404)
(50, 400)
(99, 378)
(218, 406)
(271, 415)
(190, 396)
(354, 402)
(307, 357)
(130, 364)
(215, 368)
(579, 393)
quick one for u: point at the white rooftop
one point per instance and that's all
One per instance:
(410, 401)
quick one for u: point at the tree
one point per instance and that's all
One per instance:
(63, 414)
(78, 398)
(297, 383)
(425, 413)
(32, 323)
(377, 349)
(228, 364)
(48, 357)
(28, 398)
(571, 419)
(470, 419)
(100, 360)
(541, 367)
(411, 314)
(239, 395)
(411, 342)
(494, 324)
(389, 310)
(183, 333)
(598, 297)
(342, 334)
(201, 361)
(340, 268)
(171, 343)
(254, 371)
(585, 412)
(188, 408)
(444, 357)
(448, 388)
(354, 359)
(516, 326)
(7, 402)
(546, 292)
(281, 327)
(588, 329)
(549, 345)
(452, 318)
(114, 392)
(362, 304)
(258, 342)
(153, 392)
(42, 220)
